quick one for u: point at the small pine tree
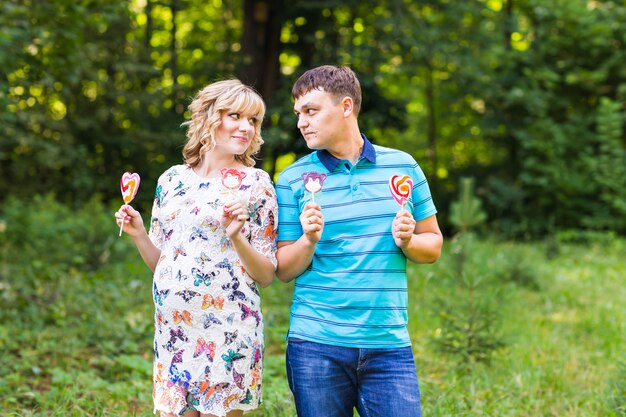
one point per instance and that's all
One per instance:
(469, 323)
(607, 169)
(467, 212)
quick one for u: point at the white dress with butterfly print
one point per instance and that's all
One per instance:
(209, 329)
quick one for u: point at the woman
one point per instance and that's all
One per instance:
(211, 242)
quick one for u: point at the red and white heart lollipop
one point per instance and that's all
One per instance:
(129, 184)
(401, 187)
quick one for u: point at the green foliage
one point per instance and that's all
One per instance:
(617, 391)
(45, 243)
(505, 200)
(607, 167)
(468, 310)
(549, 107)
(89, 352)
(469, 325)
(466, 213)
(524, 95)
(517, 266)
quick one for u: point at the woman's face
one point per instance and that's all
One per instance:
(235, 133)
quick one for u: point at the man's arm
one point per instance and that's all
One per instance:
(295, 256)
(420, 241)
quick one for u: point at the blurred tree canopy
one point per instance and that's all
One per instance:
(527, 96)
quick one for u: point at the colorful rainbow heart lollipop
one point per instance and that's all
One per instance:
(401, 187)
(129, 184)
(313, 182)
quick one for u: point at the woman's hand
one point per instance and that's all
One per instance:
(234, 216)
(133, 224)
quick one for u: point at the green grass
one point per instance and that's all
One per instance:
(88, 349)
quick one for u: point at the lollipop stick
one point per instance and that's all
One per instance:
(121, 227)
(313, 197)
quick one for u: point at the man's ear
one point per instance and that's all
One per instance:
(348, 106)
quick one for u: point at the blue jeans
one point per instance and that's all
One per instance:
(329, 381)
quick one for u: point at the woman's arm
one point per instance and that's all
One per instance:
(260, 268)
(133, 226)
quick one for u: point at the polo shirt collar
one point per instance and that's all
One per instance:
(330, 162)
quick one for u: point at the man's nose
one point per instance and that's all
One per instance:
(302, 122)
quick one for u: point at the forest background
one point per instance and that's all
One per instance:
(526, 97)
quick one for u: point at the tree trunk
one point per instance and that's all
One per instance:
(260, 46)
(508, 23)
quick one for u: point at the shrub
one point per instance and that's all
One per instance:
(44, 242)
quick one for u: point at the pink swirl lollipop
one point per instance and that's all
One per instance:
(313, 182)
(129, 184)
(401, 187)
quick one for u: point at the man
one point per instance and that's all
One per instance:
(348, 344)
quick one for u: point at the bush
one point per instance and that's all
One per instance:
(44, 242)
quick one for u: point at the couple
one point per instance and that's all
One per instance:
(210, 245)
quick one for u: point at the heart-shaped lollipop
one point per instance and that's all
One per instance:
(129, 184)
(313, 182)
(401, 187)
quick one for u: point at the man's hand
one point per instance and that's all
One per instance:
(403, 228)
(312, 222)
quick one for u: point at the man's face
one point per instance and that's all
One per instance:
(320, 119)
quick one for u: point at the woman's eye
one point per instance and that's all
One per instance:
(234, 115)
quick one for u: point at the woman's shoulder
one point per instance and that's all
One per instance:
(262, 185)
(259, 175)
(172, 172)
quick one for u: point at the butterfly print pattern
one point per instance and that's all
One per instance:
(208, 346)
(209, 301)
(187, 295)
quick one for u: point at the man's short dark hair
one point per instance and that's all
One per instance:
(339, 82)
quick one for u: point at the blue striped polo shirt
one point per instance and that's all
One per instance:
(354, 293)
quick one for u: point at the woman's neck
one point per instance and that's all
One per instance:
(210, 165)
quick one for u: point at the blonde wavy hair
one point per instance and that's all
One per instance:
(207, 109)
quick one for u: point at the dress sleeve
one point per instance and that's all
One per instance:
(263, 209)
(156, 230)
